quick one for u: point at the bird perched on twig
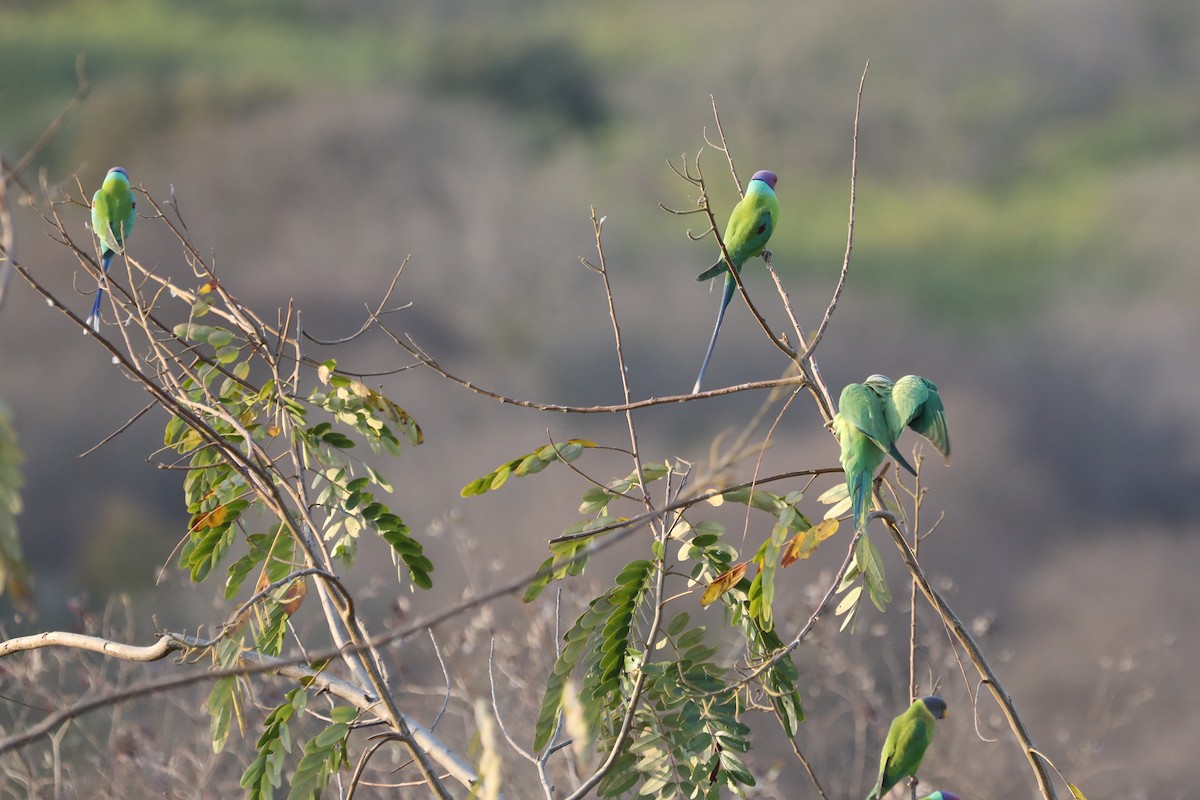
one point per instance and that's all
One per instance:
(750, 226)
(113, 215)
(907, 740)
(871, 416)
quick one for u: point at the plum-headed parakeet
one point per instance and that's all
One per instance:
(906, 743)
(866, 426)
(113, 216)
(919, 406)
(941, 796)
(750, 226)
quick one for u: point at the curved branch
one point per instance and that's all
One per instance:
(95, 644)
(416, 352)
(960, 632)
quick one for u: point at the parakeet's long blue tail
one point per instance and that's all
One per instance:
(93, 320)
(726, 296)
(860, 498)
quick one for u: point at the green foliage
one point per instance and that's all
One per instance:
(597, 498)
(323, 755)
(222, 707)
(568, 557)
(864, 575)
(265, 773)
(528, 464)
(686, 733)
(711, 556)
(600, 640)
(230, 433)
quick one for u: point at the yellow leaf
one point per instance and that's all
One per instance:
(210, 519)
(290, 602)
(804, 543)
(723, 583)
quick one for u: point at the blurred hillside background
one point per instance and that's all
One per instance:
(1027, 234)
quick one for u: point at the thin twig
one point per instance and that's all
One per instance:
(960, 633)
(602, 268)
(14, 175)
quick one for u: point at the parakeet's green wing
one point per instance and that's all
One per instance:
(113, 215)
(862, 408)
(920, 407)
(750, 227)
(908, 738)
(912, 740)
(102, 217)
(861, 428)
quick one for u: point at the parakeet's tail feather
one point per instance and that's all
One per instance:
(860, 499)
(93, 320)
(895, 454)
(713, 271)
(726, 296)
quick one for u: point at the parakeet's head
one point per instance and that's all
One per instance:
(946, 796)
(880, 383)
(766, 176)
(936, 706)
(118, 174)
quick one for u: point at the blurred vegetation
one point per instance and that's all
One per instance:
(996, 141)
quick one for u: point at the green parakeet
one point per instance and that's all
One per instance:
(941, 796)
(866, 426)
(906, 743)
(751, 224)
(113, 216)
(919, 406)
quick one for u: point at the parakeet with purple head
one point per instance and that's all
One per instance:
(113, 215)
(750, 226)
(907, 740)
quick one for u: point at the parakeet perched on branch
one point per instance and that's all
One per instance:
(113, 216)
(871, 416)
(750, 227)
(906, 743)
(866, 426)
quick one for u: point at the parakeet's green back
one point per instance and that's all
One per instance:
(861, 426)
(113, 212)
(749, 228)
(864, 406)
(908, 738)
